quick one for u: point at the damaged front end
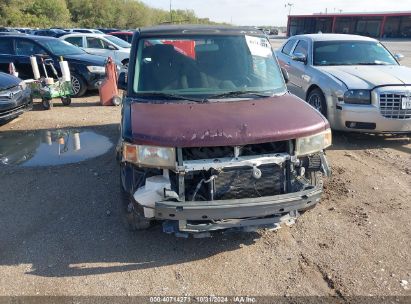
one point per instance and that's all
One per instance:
(196, 190)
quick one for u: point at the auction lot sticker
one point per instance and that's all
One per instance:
(406, 103)
(258, 46)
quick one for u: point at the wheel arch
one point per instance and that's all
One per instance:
(312, 88)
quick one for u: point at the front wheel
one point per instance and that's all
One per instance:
(78, 84)
(47, 103)
(317, 100)
(134, 214)
(66, 101)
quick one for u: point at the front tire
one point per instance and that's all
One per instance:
(133, 213)
(316, 99)
(79, 85)
(66, 101)
(47, 103)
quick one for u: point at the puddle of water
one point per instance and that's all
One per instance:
(50, 148)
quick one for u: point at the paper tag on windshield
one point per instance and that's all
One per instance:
(258, 46)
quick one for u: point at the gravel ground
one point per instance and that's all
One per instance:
(62, 231)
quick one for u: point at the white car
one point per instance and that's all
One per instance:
(83, 30)
(101, 44)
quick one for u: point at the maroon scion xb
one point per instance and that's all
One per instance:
(210, 137)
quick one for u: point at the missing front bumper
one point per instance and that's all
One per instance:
(237, 212)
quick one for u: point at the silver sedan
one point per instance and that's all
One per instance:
(352, 80)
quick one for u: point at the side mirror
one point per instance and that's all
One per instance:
(399, 57)
(112, 47)
(299, 57)
(122, 81)
(125, 61)
(285, 75)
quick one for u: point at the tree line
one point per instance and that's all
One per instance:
(126, 14)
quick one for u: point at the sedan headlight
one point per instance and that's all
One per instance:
(314, 143)
(357, 97)
(23, 85)
(149, 156)
(96, 69)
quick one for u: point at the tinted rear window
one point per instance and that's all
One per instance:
(6, 46)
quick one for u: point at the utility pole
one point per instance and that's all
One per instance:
(171, 14)
(290, 5)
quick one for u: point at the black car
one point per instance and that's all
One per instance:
(15, 97)
(86, 70)
(8, 30)
(56, 33)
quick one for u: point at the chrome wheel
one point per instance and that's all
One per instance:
(76, 84)
(316, 102)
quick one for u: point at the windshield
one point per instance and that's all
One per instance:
(351, 53)
(61, 48)
(207, 66)
(117, 41)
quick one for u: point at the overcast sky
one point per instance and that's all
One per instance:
(274, 12)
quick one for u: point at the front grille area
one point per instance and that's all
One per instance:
(391, 105)
(239, 183)
(234, 182)
(11, 93)
(247, 150)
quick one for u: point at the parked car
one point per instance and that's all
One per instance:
(87, 71)
(83, 30)
(125, 35)
(215, 141)
(101, 45)
(50, 33)
(15, 97)
(108, 30)
(352, 80)
(8, 30)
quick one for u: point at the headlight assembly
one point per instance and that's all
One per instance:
(96, 69)
(23, 85)
(149, 156)
(314, 143)
(357, 97)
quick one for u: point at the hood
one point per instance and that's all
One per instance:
(86, 59)
(7, 81)
(368, 77)
(224, 123)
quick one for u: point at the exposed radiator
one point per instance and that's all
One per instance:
(239, 183)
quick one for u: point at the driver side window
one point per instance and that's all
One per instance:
(97, 43)
(302, 48)
(28, 48)
(77, 41)
(288, 47)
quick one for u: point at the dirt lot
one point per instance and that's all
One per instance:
(61, 231)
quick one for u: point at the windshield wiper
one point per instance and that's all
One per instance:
(168, 96)
(240, 93)
(371, 63)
